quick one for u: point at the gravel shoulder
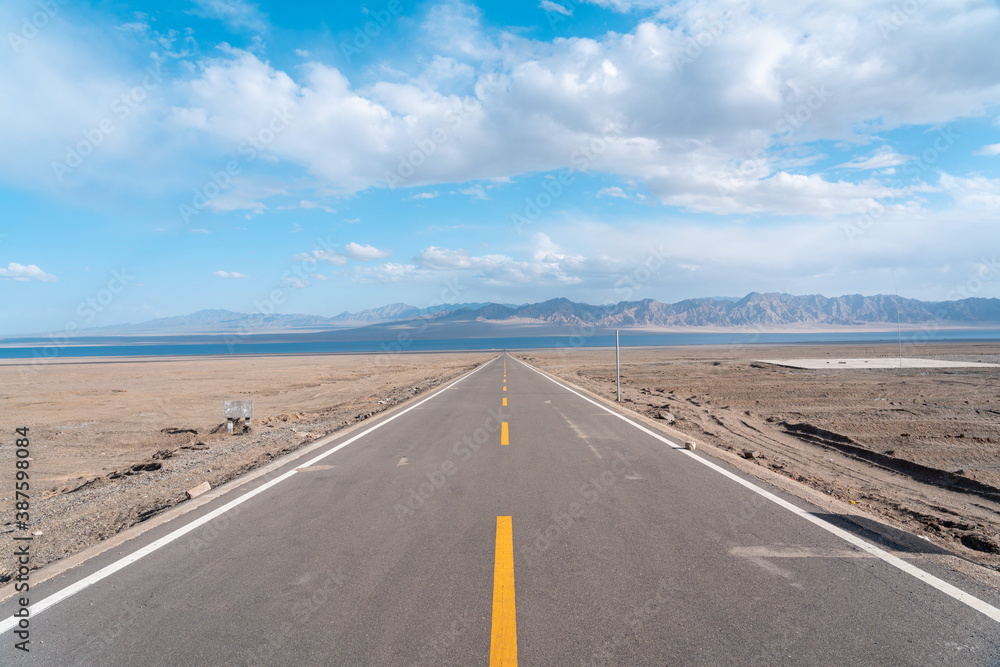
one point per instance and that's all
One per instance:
(919, 449)
(117, 442)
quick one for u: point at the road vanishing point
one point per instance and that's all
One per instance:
(506, 519)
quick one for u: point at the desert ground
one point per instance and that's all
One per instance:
(916, 448)
(117, 441)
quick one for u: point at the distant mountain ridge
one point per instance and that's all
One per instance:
(755, 309)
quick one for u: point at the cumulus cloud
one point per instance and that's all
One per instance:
(645, 104)
(677, 104)
(384, 273)
(613, 191)
(356, 251)
(364, 252)
(548, 264)
(229, 274)
(328, 256)
(22, 273)
(989, 150)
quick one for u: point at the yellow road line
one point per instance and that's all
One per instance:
(503, 642)
(505, 401)
(505, 387)
(504, 435)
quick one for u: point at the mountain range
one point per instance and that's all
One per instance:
(754, 310)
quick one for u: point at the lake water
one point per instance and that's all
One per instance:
(40, 348)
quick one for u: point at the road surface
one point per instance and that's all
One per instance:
(505, 520)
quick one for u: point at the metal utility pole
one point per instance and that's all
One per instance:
(618, 367)
(899, 326)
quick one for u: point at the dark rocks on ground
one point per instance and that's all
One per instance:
(981, 542)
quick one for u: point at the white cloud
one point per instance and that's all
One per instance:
(476, 192)
(437, 258)
(329, 256)
(237, 14)
(199, 231)
(613, 191)
(423, 195)
(976, 197)
(550, 6)
(311, 204)
(628, 104)
(624, 6)
(22, 273)
(364, 252)
(229, 274)
(384, 273)
(635, 103)
(782, 193)
(548, 264)
(989, 150)
(882, 159)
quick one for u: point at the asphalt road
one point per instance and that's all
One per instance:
(584, 541)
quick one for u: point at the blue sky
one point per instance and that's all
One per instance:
(161, 158)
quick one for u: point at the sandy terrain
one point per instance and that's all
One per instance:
(116, 441)
(919, 448)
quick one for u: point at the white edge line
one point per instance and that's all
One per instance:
(108, 570)
(929, 579)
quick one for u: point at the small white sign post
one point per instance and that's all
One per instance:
(233, 410)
